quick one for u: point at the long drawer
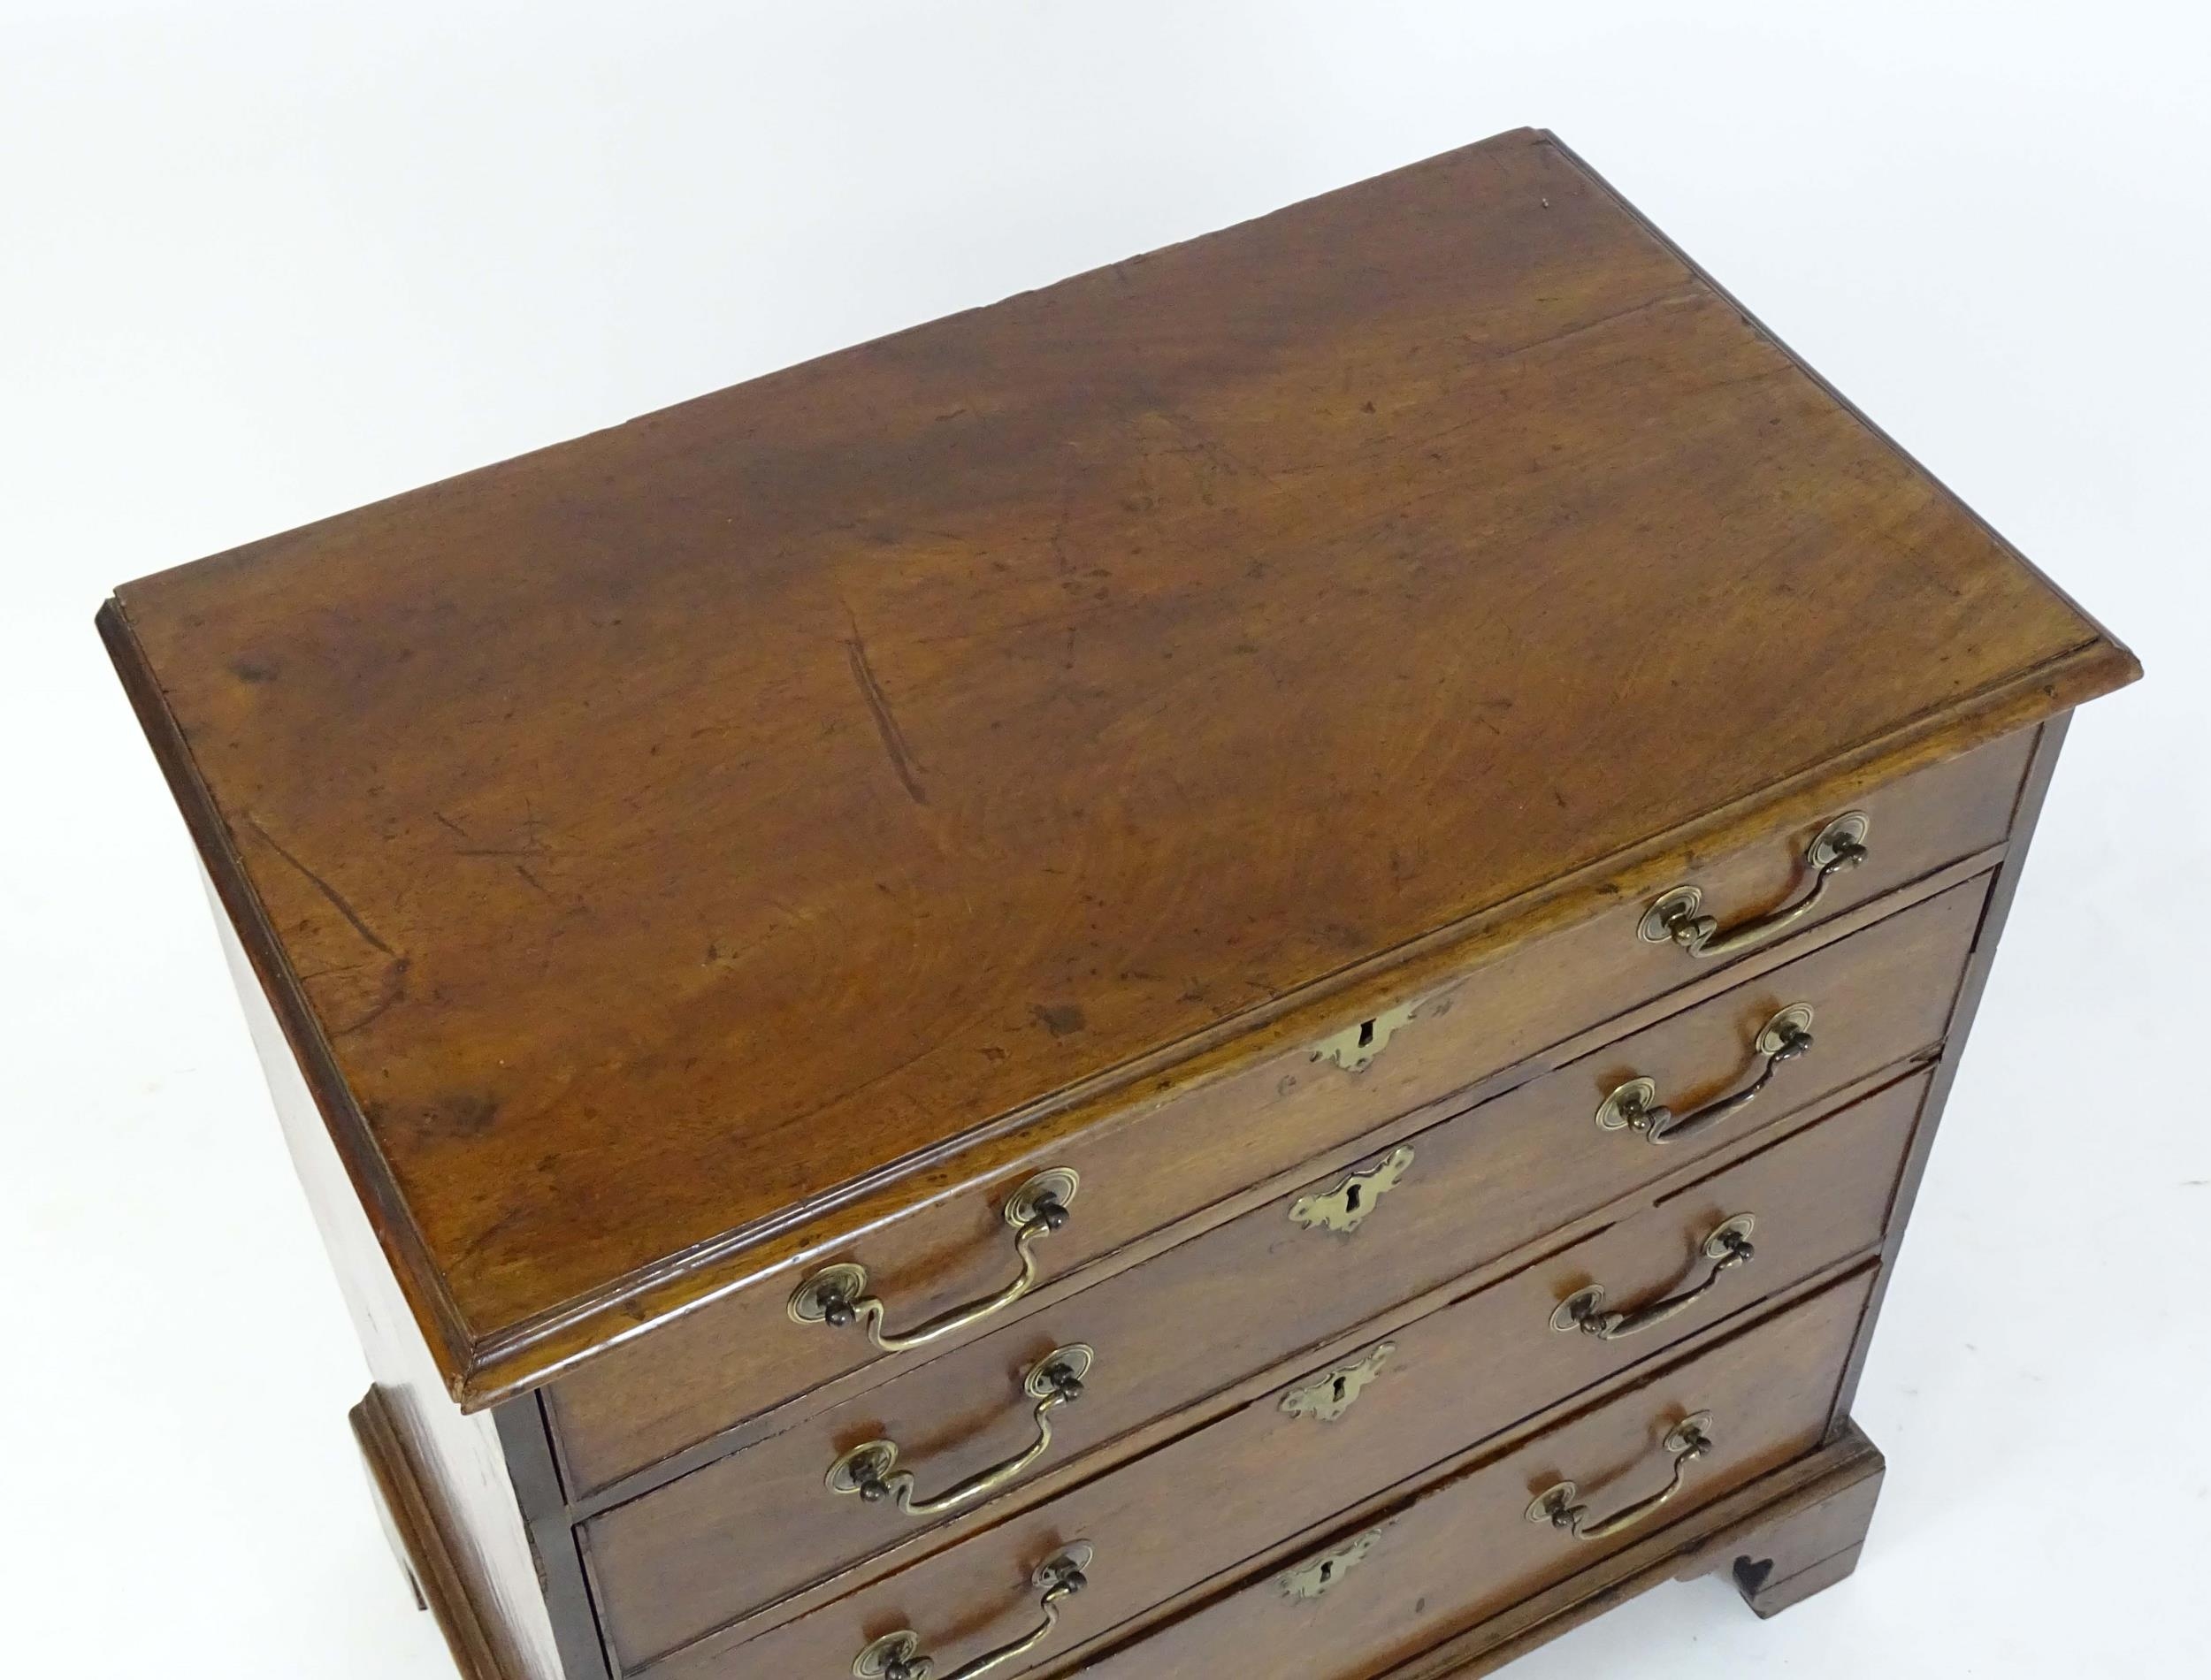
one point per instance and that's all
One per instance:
(1375, 1414)
(1153, 1165)
(760, 1523)
(1466, 1549)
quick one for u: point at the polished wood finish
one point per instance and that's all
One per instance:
(699, 1375)
(1461, 1549)
(1719, 1539)
(445, 1486)
(767, 833)
(425, 1548)
(709, 1548)
(957, 735)
(527, 1439)
(2048, 740)
(1809, 1547)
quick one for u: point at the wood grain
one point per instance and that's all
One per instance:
(1791, 1557)
(667, 836)
(1202, 1143)
(425, 1545)
(1838, 1474)
(720, 1540)
(1479, 1184)
(441, 1473)
(1458, 1551)
(2050, 740)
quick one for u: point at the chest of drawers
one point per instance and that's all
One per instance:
(1240, 967)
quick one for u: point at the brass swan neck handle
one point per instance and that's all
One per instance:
(899, 1656)
(1560, 1506)
(1727, 1247)
(870, 1472)
(838, 1295)
(1634, 1106)
(1676, 917)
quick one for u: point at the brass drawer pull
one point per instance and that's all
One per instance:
(1727, 1247)
(871, 1470)
(1634, 1106)
(838, 1295)
(897, 1656)
(1674, 920)
(1688, 1440)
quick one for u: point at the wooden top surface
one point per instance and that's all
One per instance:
(669, 828)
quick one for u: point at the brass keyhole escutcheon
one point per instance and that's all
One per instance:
(1354, 1048)
(1346, 1207)
(1329, 1397)
(1312, 1580)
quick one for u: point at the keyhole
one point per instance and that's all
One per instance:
(1328, 1572)
(1365, 1034)
(1352, 1195)
(1339, 1387)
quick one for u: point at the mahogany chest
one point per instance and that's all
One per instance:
(1241, 968)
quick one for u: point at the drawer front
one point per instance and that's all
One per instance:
(760, 1523)
(1466, 1549)
(741, 1353)
(1377, 1414)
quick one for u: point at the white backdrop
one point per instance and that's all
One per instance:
(259, 264)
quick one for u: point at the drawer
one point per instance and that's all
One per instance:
(667, 1565)
(1191, 1512)
(760, 1523)
(741, 1353)
(1466, 1549)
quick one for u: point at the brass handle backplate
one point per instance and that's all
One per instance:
(870, 1470)
(1727, 1247)
(1677, 918)
(899, 1656)
(1634, 1106)
(1560, 1506)
(838, 1295)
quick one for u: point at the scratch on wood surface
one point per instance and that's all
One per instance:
(1060, 524)
(490, 1232)
(394, 987)
(328, 891)
(879, 707)
(1205, 444)
(1665, 299)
